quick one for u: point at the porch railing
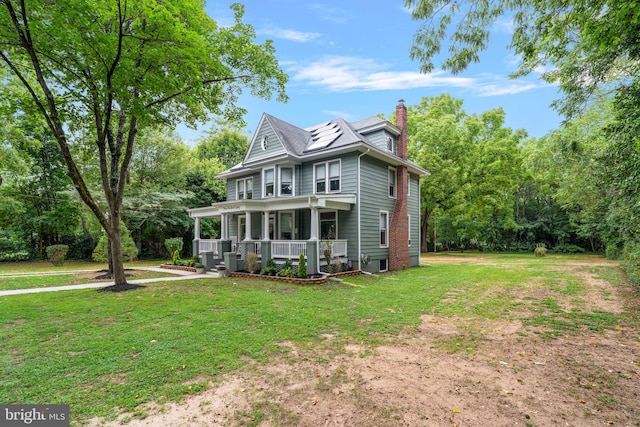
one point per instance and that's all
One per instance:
(283, 249)
(208, 246)
(290, 249)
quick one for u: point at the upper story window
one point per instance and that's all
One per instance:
(393, 180)
(245, 188)
(391, 144)
(269, 184)
(286, 181)
(327, 177)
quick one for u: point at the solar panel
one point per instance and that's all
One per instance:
(324, 134)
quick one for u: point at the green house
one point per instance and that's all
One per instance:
(339, 192)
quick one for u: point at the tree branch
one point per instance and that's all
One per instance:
(204, 82)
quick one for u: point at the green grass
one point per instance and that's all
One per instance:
(45, 279)
(104, 352)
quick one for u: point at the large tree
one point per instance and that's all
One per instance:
(475, 164)
(118, 66)
(579, 44)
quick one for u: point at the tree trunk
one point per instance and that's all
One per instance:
(424, 227)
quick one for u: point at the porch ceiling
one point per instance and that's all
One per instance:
(342, 202)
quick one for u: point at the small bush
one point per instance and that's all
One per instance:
(176, 258)
(302, 266)
(271, 268)
(129, 248)
(540, 251)
(568, 249)
(174, 244)
(252, 262)
(631, 262)
(613, 252)
(57, 254)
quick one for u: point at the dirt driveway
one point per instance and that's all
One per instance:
(446, 372)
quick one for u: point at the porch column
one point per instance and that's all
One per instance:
(247, 227)
(314, 224)
(265, 226)
(224, 233)
(196, 230)
(195, 245)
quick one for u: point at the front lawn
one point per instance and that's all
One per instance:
(104, 353)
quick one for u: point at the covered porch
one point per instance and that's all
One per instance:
(279, 229)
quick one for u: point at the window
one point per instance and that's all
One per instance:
(391, 144)
(383, 265)
(327, 172)
(392, 182)
(384, 228)
(268, 183)
(245, 189)
(286, 181)
(328, 225)
(408, 184)
(409, 227)
(264, 143)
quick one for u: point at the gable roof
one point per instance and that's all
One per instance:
(322, 139)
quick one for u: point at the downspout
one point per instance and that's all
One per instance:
(358, 199)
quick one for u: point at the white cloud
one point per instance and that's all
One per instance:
(352, 74)
(291, 35)
(328, 13)
(333, 113)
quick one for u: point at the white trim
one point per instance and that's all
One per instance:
(386, 261)
(386, 244)
(409, 229)
(327, 177)
(320, 212)
(244, 181)
(264, 182)
(293, 181)
(395, 182)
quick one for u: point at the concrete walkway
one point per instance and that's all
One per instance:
(180, 275)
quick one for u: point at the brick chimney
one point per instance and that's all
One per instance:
(399, 227)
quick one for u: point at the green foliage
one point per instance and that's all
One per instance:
(57, 254)
(129, 248)
(582, 45)
(12, 249)
(100, 74)
(286, 270)
(271, 268)
(632, 261)
(176, 258)
(302, 266)
(476, 167)
(568, 249)
(540, 251)
(174, 244)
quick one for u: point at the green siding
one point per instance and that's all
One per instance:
(274, 147)
(414, 211)
(379, 139)
(373, 199)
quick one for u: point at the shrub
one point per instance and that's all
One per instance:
(129, 248)
(337, 265)
(176, 258)
(568, 249)
(57, 254)
(174, 244)
(540, 251)
(287, 269)
(252, 262)
(631, 262)
(271, 268)
(302, 266)
(613, 252)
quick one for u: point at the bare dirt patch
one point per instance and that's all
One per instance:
(448, 371)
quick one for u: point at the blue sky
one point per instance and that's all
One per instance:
(350, 59)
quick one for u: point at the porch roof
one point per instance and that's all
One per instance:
(341, 201)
